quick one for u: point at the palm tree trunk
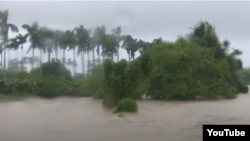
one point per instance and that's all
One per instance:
(41, 61)
(88, 61)
(93, 57)
(9, 58)
(22, 55)
(74, 63)
(118, 55)
(4, 61)
(1, 61)
(48, 56)
(99, 60)
(82, 62)
(64, 56)
(56, 53)
(17, 56)
(32, 63)
(129, 57)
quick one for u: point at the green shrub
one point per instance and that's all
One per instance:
(53, 68)
(52, 86)
(25, 85)
(126, 105)
(243, 88)
(92, 84)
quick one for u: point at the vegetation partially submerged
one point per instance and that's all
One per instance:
(198, 65)
(126, 105)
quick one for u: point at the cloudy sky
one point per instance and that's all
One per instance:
(143, 20)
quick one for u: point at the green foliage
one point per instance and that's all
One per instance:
(126, 105)
(92, 84)
(11, 86)
(52, 86)
(188, 72)
(122, 80)
(15, 74)
(54, 68)
(244, 75)
(242, 88)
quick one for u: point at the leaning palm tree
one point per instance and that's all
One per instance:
(17, 42)
(4, 29)
(33, 33)
(21, 40)
(12, 44)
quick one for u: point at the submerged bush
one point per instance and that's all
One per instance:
(243, 88)
(126, 105)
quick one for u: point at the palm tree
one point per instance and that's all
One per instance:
(157, 41)
(143, 46)
(110, 46)
(99, 35)
(133, 48)
(5, 26)
(117, 31)
(72, 46)
(82, 37)
(63, 43)
(57, 37)
(46, 40)
(127, 42)
(89, 46)
(33, 33)
(21, 40)
(12, 44)
(17, 42)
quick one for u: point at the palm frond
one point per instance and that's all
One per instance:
(13, 27)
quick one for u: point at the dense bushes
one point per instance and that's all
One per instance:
(126, 105)
(53, 68)
(92, 83)
(186, 69)
(121, 79)
(12, 86)
(244, 75)
(189, 72)
(52, 86)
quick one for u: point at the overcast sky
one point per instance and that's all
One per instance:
(143, 20)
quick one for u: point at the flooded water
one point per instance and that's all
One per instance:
(85, 119)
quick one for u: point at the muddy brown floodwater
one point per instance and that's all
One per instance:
(85, 119)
